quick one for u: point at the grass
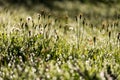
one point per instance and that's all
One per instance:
(45, 45)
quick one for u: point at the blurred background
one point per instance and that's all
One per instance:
(51, 1)
(90, 8)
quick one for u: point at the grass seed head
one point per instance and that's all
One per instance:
(84, 22)
(49, 24)
(29, 33)
(107, 29)
(39, 16)
(66, 18)
(118, 37)
(49, 16)
(26, 25)
(45, 26)
(2, 34)
(56, 20)
(104, 24)
(91, 26)
(76, 18)
(109, 34)
(80, 16)
(42, 12)
(40, 26)
(65, 29)
(41, 31)
(60, 26)
(22, 25)
(115, 23)
(29, 18)
(94, 39)
(33, 24)
(35, 27)
(21, 19)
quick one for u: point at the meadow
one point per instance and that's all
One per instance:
(76, 42)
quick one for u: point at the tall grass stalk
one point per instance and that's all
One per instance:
(82, 28)
(118, 40)
(78, 31)
(94, 40)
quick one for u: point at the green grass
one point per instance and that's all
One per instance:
(49, 46)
